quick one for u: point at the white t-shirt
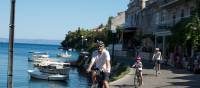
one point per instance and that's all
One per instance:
(100, 60)
(157, 56)
(138, 65)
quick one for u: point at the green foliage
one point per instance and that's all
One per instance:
(121, 72)
(193, 31)
(186, 31)
(74, 39)
(179, 32)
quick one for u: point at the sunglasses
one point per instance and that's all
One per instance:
(99, 46)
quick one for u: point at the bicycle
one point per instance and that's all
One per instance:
(137, 78)
(97, 79)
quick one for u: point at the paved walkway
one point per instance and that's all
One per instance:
(169, 78)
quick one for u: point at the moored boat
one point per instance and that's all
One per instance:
(35, 56)
(46, 76)
(50, 70)
(64, 55)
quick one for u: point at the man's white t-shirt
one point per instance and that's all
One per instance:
(157, 56)
(100, 60)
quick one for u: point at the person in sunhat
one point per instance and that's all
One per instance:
(157, 58)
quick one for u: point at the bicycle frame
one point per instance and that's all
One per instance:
(137, 78)
(98, 80)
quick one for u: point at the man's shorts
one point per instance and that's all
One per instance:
(103, 75)
(106, 76)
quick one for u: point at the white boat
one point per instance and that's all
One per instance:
(35, 56)
(50, 70)
(46, 76)
(51, 63)
(70, 49)
(54, 68)
(64, 54)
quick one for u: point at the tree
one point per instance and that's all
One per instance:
(179, 33)
(186, 33)
(193, 31)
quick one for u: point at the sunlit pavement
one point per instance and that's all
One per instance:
(169, 78)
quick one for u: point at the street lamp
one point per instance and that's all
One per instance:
(11, 42)
(82, 43)
(85, 43)
(113, 33)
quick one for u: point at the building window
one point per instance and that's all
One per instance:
(162, 17)
(182, 13)
(174, 18)
(157, 18)
(191, 10)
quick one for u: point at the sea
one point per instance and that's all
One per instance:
(21, 78)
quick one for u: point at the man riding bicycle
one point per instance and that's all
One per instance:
(101, 61)
(138, 66)
(157, 59)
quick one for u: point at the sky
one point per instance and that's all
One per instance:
(52, 19)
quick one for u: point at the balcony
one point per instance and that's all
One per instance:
(163, 27)
(165, 3)
(130, 25)
(130, 22)
(150, 2)
(132, 4)
(167, 24)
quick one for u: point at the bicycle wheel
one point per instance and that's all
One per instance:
(136, 80)
(100, 84)
(97, 85)
(94, 85)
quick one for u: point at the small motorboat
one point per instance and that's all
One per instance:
(50, 70)
(63, 55)
(46, 76)
(34, 56)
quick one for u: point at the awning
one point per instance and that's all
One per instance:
(130, 29)
(163, 33)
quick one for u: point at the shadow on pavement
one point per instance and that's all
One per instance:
(145, 74)
(123, 86)
(191, 81)
(185, 78)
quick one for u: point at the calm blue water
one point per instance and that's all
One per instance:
(21, 78)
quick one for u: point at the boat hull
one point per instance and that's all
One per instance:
(46, 76)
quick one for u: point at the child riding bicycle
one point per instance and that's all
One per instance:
(138, 66)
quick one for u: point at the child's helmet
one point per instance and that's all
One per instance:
(138, 58)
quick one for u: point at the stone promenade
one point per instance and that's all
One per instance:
(169, 78)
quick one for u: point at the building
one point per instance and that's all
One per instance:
(133, 20)
(154, 18)
(171, 12)
(118, 21)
